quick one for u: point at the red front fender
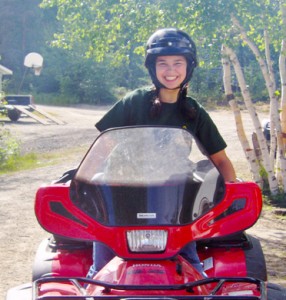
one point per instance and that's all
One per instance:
(238, 211)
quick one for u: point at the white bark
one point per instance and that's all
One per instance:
(273, 142)
(282, 68)
(248, 151)
(276, 130)
(273, 184)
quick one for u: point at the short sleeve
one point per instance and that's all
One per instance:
(209, 135)
(117, 116)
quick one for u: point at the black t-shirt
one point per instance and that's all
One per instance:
(134, 109)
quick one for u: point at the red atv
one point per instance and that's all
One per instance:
(146, 192)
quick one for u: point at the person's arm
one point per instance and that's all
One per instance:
(224, 165)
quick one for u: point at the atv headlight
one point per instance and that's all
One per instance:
(147, 240)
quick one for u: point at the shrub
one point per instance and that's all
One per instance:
(9, 147)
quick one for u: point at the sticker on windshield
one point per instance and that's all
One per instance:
(146, 216)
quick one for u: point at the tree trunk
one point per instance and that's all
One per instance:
(273, 185)
(273, 142)
(248, 151)
(282, 68)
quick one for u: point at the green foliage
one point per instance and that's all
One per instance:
(98, 26)
(103, 27)
(100, 44)
(68, 76)
(206, 86)
(87, 81)
(9, 147)
(83, 80)
(3, 110)
(21, 32)
(118, 29)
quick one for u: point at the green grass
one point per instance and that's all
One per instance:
(18, 163)
(32, 161)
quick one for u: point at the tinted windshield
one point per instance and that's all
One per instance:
(146, 176)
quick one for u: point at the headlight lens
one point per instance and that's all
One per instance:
(147, 240)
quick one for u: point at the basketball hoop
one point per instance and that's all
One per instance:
(35, 61)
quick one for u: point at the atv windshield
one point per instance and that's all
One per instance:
(146, 176)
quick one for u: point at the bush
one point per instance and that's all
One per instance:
(9, 147)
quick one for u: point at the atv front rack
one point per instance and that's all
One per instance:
(79, 283)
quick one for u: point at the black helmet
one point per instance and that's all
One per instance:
(170, 41)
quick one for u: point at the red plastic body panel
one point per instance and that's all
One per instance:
(52, 260)
(71, 264)
(71, 222)
(227, 262)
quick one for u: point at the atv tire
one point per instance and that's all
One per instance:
(275, 292)
(14, 114)
(255, 260)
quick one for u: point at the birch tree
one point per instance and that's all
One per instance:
(276, 131)
(259, 19)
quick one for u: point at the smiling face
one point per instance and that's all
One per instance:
(171, 70)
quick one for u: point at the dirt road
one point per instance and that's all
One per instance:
(20, 233)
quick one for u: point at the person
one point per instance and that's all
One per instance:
(171, 58)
